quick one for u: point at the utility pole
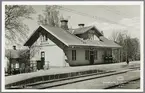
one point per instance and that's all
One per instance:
(10, 63)
(127, 50)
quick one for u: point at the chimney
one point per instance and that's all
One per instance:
(81, 25)
(102, 33)
(64, 24)
(14, 47)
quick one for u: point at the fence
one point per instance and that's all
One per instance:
(31, 66)
(38, 65)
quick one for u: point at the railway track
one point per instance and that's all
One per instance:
(70, 80)
(49, 84)
(132, 84)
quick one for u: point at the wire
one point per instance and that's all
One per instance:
(117, 12)
(94, 17)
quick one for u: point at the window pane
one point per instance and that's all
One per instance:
(17, 65)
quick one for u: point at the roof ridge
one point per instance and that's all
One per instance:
(83, 27)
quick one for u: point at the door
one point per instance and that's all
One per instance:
(39, 64)
(42, 59)
(91, 57)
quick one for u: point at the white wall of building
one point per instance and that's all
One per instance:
(53, 54)
(80, 56)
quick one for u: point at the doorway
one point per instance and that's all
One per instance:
(41, 63)
(91, 57)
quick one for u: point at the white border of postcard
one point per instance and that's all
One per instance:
(74, 3)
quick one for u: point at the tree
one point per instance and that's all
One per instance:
(15, 29)
(133, 48)
(50, 17)
(130, 46)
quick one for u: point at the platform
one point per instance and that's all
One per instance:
(54, 71)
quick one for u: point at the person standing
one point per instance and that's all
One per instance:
(127, 61)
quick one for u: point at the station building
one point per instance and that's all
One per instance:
(61, 46)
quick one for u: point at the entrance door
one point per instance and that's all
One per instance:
(91, 57)
(39, 65)
(42, 59)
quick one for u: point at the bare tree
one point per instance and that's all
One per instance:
(114, 36)
(15, 29)
(50, 17)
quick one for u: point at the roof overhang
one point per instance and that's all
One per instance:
(35, 35)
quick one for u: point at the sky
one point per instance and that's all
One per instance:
(128, 15)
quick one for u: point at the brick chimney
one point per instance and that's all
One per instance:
(64, 24)
(14, 47)
(81, 25)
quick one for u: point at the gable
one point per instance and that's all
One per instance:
(43, 40)
(83, 30)
(90, 34)
(36, 36)
(59, 36)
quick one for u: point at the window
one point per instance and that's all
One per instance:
(95, 54)
(17, 65)
(73, 54)
(44, 38)
(42, 54)
(87, 54)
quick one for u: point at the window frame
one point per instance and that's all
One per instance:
(44, 38)
(73, 55)
(42, 54)
(87, 55)
(96, 55)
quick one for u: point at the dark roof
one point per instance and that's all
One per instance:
(69, 39)
(10, 53)
(64, 36)
(104, 42)
(85, 29)
(81, 30)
